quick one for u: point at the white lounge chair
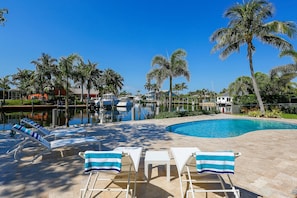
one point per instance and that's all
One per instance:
(57, 133)
(111, 167)
(196, 167)
(45, 145)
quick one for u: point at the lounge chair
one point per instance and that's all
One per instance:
(57, 133)
(196, 167)
(111, 168)
(45, 145)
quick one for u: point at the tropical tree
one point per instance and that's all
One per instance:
(283, 75)
(179, 87)
(79, 76)
(2, 12)
(86, 73)
(148, 86)
(93, 76)
(247, 22)
(286, 72)
(241, 86)
(45, 67)
(172, 67)
(22, 80)
(4, 85)
(112, 81)
(65, 69)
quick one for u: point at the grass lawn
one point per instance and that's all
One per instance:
(289, 116)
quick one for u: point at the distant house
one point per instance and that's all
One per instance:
(224, 103)
(150, 96)
(10, 94)
(208, 104)
(38, 96)
(77, 92)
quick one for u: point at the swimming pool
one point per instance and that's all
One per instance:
(223, 128)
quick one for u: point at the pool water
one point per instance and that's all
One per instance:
(224, 128)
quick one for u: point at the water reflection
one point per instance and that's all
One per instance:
(56, 117)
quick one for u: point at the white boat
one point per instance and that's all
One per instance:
(97, 102)
(125, 102)
(109, 99)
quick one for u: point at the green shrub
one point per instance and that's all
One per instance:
(162, 115)
(274, 113)
(255, 113)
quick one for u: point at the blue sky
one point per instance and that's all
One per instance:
(126, 35)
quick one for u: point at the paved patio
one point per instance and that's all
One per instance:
(267, 167)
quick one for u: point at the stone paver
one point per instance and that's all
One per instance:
(267, 167)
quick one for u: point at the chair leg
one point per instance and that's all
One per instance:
(95, 180)
(87, 184)
(222, 184)
(236, 192)
(191, 183)
(181, 186)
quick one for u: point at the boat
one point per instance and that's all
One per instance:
(109, 100)
(96, 102)
(125, 102)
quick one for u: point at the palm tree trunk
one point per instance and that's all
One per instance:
(66, 102)
(3, 94)
(170, 94)
(82, 92)
(256, 89)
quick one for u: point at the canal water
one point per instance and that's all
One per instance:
(56, 117)
(83, 116)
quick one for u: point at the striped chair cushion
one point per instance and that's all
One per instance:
(29, 132)
(103, 161)
(37, 126)
(215, 162)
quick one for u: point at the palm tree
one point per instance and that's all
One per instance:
(180, 86)
(93, 76)
(282, 75)
(247, 21)
(79, 76)
(289, 71)
(45, 67)
(241, 86)
(113, 82)
(65, 68)
(4, 85)
(2, 12)
(23, 80)
(169, 68)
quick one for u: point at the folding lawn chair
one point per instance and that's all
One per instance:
(113, 171)
(206, 169)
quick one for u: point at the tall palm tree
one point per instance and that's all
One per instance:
(172, 67)
(65, 68)
(45, 67)
(4, 85)
(23, 80)
(113, 82)
(93, 76)
(2, 12)
(79, 76)
(247, 22)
